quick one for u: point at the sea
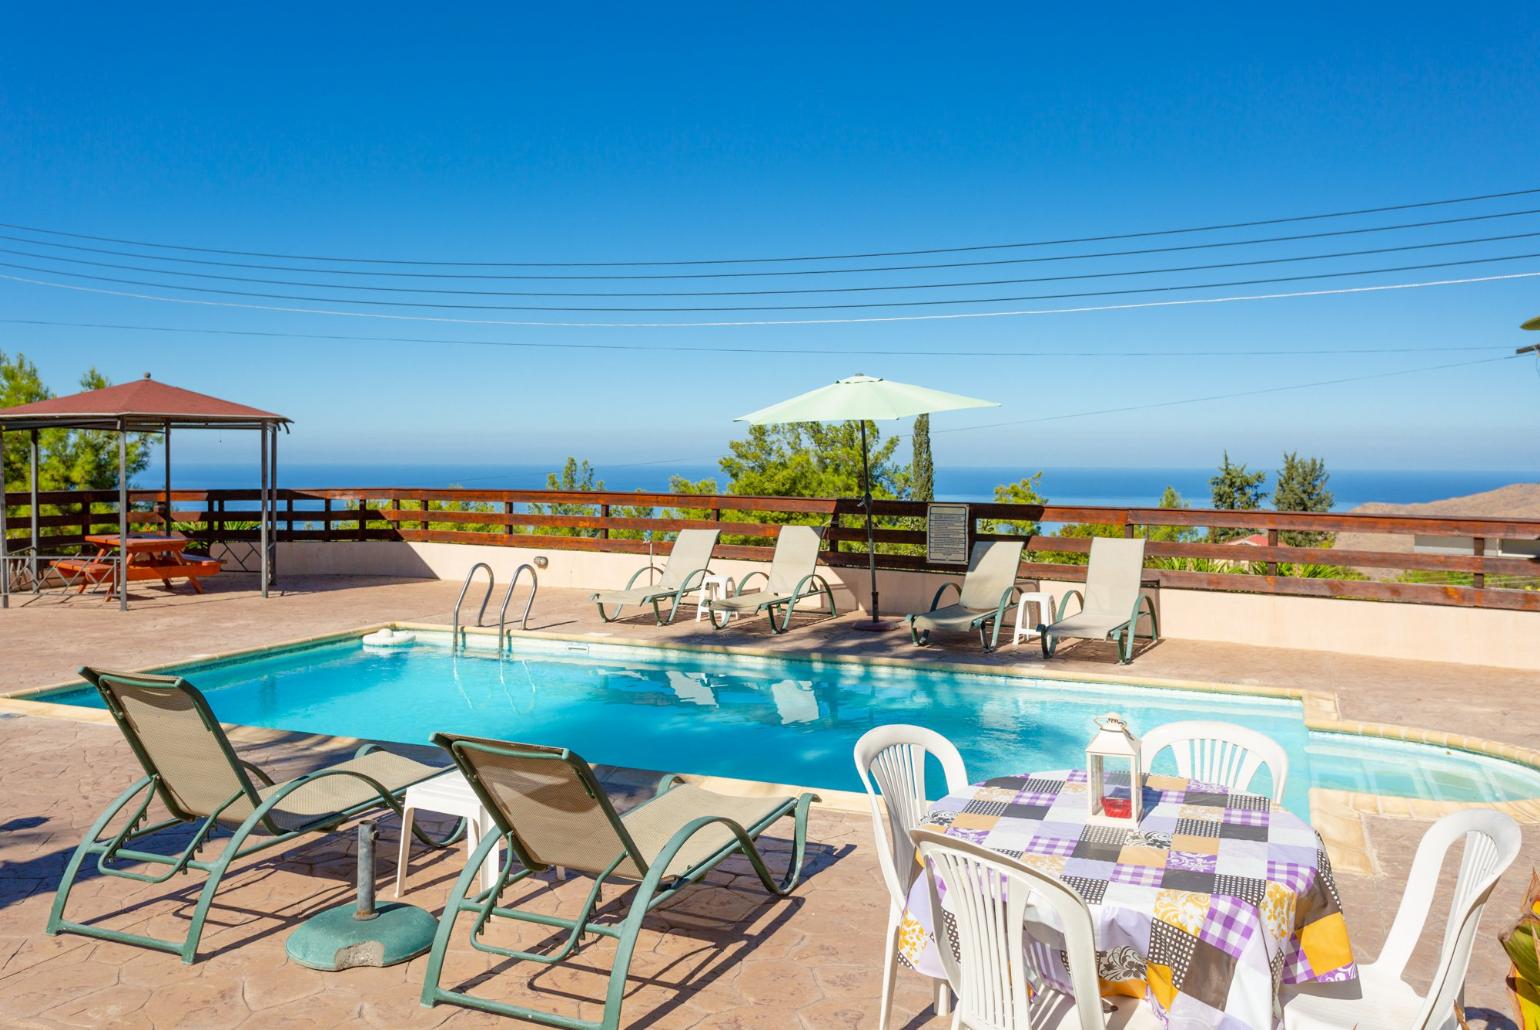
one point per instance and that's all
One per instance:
(1067, 485)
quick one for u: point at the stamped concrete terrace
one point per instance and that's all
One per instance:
(723, 955)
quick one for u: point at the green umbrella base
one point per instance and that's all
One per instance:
(336, 939)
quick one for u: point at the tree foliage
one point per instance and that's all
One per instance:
(811, 459)
(1301, 486)
(70, 459)
(1023, 491)
(922, 467)
(1235, 489)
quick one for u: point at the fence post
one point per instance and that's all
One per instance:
(363, 507)
(604, 513)
(423, 525)
(508, 511)
(1272, 541)
(326, 518)
(1479, 549)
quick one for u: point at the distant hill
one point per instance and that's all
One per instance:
(1517, 500)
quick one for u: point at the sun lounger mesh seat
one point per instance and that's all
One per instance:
(983, 599)
(551, 810)
(190, 765)
(1113, 604)
(686, 566)
(793, 576)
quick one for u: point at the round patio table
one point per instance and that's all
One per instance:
(1205, 910)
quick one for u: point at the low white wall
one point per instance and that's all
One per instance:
(1472, 636)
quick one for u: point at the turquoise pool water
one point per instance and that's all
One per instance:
(788, 721)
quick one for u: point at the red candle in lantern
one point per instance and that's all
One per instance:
(1118, 808)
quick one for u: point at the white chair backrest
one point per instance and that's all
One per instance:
(992, 569)
(987, 894)
(796, 555)
(1219, 752)
(894, 756)
(1112, 580)
(691, 551)
(1492, 842)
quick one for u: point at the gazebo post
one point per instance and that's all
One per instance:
(122, 515)
(5, 563)
(166, 460)
(262, 505)
(272, 572)
(32, 500)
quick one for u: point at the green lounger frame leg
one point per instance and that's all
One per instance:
(1125, 635)
(657, 886)
(265, 827)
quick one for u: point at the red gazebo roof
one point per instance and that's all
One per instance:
(138, 405)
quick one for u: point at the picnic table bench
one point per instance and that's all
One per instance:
(148, 556)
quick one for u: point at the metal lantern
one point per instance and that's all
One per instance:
(1112, 773)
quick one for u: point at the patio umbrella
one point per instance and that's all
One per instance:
(858, 399)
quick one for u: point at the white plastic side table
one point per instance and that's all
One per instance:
(1044, 602)
(712, 587)
(448, 794)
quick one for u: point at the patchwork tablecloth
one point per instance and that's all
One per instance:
(1208, 907)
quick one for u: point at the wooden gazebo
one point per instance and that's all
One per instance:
(142, 406)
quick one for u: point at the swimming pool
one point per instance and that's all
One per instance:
(787, 721)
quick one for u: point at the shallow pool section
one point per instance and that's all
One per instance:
(786, 721)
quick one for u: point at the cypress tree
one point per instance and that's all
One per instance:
(923, 469)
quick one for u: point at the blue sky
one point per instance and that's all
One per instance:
(628, 132)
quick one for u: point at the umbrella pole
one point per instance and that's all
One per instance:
(874, 623)
(866, 501)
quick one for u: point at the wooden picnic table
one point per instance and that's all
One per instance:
(147, 556)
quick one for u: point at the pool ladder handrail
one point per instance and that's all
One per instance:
(502, 613)
(454, 638)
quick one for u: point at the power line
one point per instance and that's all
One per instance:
(951, 316)
(1145, 407)
(696, 309)
(709, 349)
(1226, 396)
(798, 272)
(762, 260)
(891, 287)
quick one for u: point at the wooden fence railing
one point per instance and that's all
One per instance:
(593, 521)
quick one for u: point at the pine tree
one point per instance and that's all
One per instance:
(1235, 489)
(1024, 491)
(72, 459)
(1170, 534)
(923, 469)
(811, 459)
(1301, 486)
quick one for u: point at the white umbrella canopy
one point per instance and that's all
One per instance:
(861, 398)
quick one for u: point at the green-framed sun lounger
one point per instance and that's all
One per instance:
(1113, 603)
(190, 766)
(550, 810)
(793, 576)
(983, 599)
(687, 565)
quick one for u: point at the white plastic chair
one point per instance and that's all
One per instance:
(1219, 752)
(1492, 842)
(988, 895)
(894, 756)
